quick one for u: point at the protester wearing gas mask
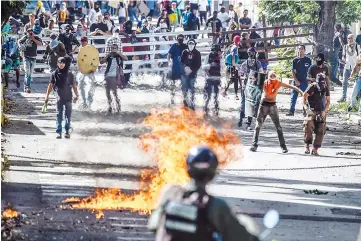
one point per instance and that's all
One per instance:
(316, 102)
(69, 39)
(190, 64)
(29, 45)
(319, 67)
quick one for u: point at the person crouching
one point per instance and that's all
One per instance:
(113, 75)
(62, 81)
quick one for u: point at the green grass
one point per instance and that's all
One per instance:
(343, 106)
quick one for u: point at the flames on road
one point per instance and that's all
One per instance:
(173, 133)
(9, 213)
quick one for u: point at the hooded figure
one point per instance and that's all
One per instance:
(191, 62)
(10, 52)
(53, 51)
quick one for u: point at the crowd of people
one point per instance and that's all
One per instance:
(245, 60)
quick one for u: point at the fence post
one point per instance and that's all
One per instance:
(265, 35)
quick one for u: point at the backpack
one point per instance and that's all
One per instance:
(185, 217)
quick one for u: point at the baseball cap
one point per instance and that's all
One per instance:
(61, 60)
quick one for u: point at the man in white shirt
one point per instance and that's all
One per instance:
(350, 53)
(92, 16)
(224, 17)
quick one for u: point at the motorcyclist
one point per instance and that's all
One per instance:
(190, 213)
(212, 66)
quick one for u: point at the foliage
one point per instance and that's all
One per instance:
(283, 67)
(11, 7)
(298, 12)
(343, 106)
(348, 11)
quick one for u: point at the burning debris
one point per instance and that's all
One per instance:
(9, 213)
(173, 133)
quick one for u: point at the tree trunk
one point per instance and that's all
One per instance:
(325, 28)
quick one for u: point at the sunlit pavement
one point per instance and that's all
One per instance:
(102, 152)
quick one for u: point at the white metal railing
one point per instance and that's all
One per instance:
(203, 47)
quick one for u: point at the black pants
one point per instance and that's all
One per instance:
(212, 85)
(270, 109)
(111, 86)
(232, 77)
(127, 75)
(203, 16)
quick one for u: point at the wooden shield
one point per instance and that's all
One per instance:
(88, 59)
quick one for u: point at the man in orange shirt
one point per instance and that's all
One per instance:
(268, 107)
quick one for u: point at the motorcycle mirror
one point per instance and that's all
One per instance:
(271, 218)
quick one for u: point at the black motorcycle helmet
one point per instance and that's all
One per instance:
(215, 48)
(201, 163)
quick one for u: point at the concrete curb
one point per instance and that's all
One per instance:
(355, 118)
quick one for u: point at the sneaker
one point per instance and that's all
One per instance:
(67, 135)
(240, 123)
(307, 149)
(314, 152)
(290, 114)
(237, 98)
(253, 148)
(58, 136)
(17, 84)
(284, 149)
(28, 90)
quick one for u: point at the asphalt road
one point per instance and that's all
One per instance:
(102, 152)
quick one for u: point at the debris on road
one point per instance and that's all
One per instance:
(315, 191)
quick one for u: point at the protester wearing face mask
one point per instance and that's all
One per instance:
(251, 70)
(316, 102)
(350, 53)
(11, 54)
(268, 107)
(190, 64)
(319, 67)
(69, 39)
(29, 45)
(54, 50)
(174, 55)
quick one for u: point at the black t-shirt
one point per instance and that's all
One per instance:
(261, 55)
(314, 70)
(300, 66)
(103, 27)
(244, 20)
(254, 35)
(191, 59)
(242, 51)
(63, 81)
(68, 39)
(218, 23)
(30, 46)
(316, 97)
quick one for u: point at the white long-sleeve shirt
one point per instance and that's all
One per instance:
(350, 59)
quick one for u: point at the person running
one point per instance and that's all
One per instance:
(53, 51)
(112, 74)
(314, 100)
(62, 81)
(268, 107)
(174, 55)
(300, 66)
(29, 45)
(232, 61)
(212, 65)
(11, 54)
(191, 62)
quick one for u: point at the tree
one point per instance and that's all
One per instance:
(322, 13)
(9, 8)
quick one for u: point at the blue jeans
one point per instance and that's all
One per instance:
(59, 117)
(29, 65)
(346, 75)
(133, 14)
(303, 86)
(355, 91)
(334, 65)
(187, 84)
